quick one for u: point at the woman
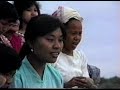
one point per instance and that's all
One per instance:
(26, 10)
(72, 63)
(44, 41)
(9, 25)
(15, 39)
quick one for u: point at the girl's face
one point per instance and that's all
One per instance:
(15, 26)
(29, 13)
(48, 47)
(4, 26)
(73, 34)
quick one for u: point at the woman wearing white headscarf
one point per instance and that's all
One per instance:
(71, 62)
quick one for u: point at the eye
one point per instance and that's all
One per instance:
(50, 39)
(80, 33)
(74, 33)
(28, 9)
(35, 10)
(61, 40)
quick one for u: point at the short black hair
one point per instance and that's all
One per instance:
(9, 59)
(8, 11)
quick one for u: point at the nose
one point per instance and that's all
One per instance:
(58, 45)
(34, 13)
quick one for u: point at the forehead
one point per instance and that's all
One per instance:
(74, 24)
(74, 21)
(10, 20)
(56, 32)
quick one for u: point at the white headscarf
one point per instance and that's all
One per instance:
(66, 13)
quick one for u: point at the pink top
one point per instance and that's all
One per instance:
(17, 41)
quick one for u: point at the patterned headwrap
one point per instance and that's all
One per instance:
(66, 13)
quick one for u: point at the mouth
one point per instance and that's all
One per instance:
(55, 54)
(75, 44)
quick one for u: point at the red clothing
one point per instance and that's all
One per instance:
(17, 42)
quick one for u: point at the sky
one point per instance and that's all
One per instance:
(100, 33)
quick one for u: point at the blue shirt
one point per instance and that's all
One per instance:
(27, 77)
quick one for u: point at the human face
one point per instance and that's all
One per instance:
(29, 13)
(15, 26)
(6, 25)
(48, 47)
(73, 34)
(6, 79)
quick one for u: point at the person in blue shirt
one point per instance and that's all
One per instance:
(44, 41)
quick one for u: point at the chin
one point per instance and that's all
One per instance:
(73, 48)
(53, 60)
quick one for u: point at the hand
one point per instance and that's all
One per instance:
(89, 83)
(76, 81)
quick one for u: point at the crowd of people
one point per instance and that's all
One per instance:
(39, 50)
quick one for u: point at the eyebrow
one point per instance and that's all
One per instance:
(54, 35)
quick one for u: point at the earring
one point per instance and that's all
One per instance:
(31, 50)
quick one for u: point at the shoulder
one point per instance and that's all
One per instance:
(17, 83)
(54, 71)
(20, 78)
(80, 54)
(21, 70)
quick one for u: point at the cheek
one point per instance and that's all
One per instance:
(69, 39)
(40, 48)
(35, 14)
(26, 17)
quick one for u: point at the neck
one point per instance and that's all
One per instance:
(67, 51)
(37, 65)
(23, 29)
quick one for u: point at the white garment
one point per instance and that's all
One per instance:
(72, 66)
(66, 13)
